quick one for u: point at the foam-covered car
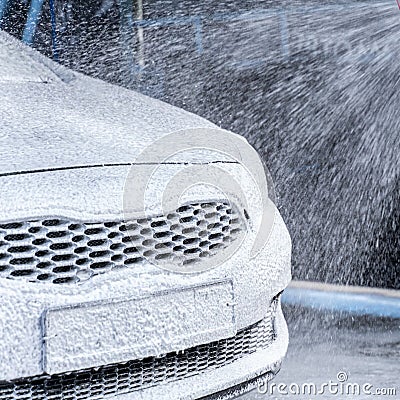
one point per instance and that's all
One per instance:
(141, 255)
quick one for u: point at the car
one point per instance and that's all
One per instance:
(141, 253)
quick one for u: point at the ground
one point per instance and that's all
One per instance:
(323, 345)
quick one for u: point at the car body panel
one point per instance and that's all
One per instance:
(81, 122)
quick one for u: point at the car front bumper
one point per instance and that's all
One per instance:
(222, 369)
(231, 380)
(254, 282)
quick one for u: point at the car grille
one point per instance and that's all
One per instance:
(61, 251)
(111, 380)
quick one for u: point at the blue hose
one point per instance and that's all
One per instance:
(3, 9)
(353, 303)
(35, 11)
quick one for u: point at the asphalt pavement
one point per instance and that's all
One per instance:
(337, 355)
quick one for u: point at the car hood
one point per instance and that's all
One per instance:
(51, 118)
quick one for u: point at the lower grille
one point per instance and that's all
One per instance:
(111, 380)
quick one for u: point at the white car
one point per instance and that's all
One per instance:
(141, 256)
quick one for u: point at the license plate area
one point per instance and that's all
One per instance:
(100, 333)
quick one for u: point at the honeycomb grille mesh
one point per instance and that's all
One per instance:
(66, 251)
(134, 375)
